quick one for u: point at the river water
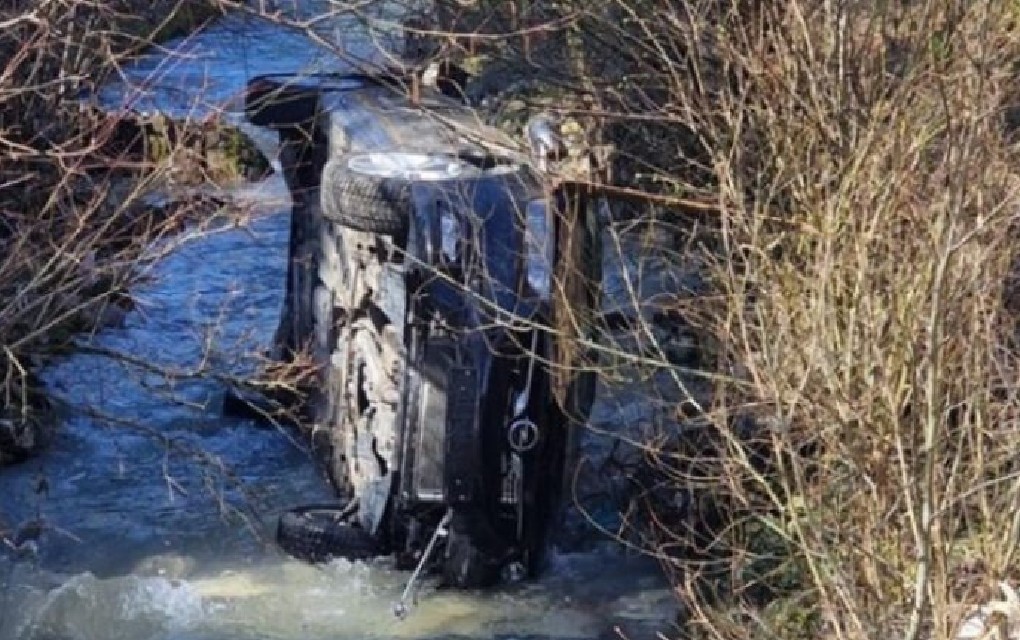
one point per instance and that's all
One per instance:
(160, 526)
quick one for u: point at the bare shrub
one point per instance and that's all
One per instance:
(851, 181)
(90, 200)
(865, 195)
(855, 468)
(76, 226)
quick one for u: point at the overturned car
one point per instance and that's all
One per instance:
(446, 283)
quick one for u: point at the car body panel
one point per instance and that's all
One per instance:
(463, 303)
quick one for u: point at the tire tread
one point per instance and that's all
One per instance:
(318, 534)
(365, 203)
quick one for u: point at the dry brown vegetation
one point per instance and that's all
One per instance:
(854, 167)
(856, 163)
(73, 221)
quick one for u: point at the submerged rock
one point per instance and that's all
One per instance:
(18, 440)
(24, 431)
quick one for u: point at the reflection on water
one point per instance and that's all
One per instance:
(163, 529)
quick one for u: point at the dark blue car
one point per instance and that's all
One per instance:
(447, 287)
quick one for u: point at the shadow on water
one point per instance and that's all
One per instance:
(163, 530)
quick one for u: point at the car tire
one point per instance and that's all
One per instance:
(319, 533)
(365, 203)
(371, 192)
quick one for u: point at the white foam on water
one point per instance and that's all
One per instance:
(283, 599)
(129, 608)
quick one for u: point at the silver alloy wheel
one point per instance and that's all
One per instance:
(411, 166)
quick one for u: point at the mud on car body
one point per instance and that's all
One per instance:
(428, 268)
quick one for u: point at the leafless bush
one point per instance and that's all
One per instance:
(76, 227)
(90, 199)
(847, 176)
(855, 172)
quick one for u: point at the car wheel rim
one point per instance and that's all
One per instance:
(416, 166)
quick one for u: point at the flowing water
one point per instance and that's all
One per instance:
(160, 526)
